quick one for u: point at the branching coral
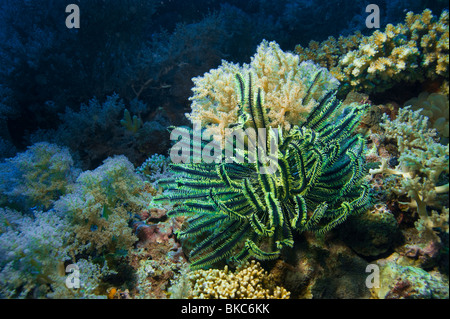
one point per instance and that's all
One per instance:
(249, 281)
(131, 124)
(283, 81)
(421, 160)
(409, 52)
(405, 52)
(328, 53)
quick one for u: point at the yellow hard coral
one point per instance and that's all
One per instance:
(279, 74)
(417, 50)
(328, 53)
(249, 281)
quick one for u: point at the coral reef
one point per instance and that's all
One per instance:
(37, 177)
(414, 51)
(248, 281)
(421, 161)
(103, 203)
(315, 185)
(347, 188)
(91, 227)
(435, 106)
(414, 167)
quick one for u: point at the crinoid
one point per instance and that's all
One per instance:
(241, 208)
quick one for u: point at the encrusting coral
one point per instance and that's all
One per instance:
(249, 281)
(414, 51)
(284, 83)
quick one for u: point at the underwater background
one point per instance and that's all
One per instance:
(91, 207)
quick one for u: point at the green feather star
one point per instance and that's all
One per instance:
(237, 212)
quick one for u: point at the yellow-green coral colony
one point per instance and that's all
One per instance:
(240, 212)
(413, 51)
(249, 281)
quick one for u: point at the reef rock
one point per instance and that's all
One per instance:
(323, 268)
(371, 233)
